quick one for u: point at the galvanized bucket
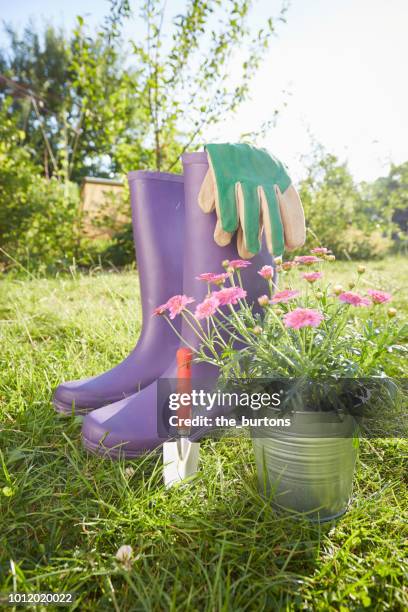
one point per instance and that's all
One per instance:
(308, 467)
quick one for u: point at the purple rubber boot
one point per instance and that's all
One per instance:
(158, 219)
(129, 428)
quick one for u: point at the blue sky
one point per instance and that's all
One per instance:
(342, 62)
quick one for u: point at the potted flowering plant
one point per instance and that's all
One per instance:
(311, 330)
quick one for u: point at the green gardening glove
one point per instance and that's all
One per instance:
(251, 191)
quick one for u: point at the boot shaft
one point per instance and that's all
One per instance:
(157, 200)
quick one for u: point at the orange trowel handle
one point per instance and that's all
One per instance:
(184, 358)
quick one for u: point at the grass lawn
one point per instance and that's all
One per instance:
(212, 546)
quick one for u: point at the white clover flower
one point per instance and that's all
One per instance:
(125, 555)
(129, 472)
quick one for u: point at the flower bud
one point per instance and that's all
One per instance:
(125, 556)
(288, 265)
(278, 311)
(278, 260)
(225, 263)
(230, 270)
(319, 295)
(361, 269)
(257, 330)
(392, 312)
(263, 300)
(351, 285)
(330, 257)
(337, 289)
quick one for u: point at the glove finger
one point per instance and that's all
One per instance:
(265, 223)
(241, 248)
(208, 201)
(293, 217)
(272, 222)
(206, 196)
(248, 212)
(221, 237)
(224, 196)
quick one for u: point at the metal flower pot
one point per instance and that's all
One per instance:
(308, 467)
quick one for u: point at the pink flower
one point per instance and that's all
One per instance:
(349, 297)
(379, 297)
(206, 276)
(160, 310)
(229, 295)
(177, 303)
(207, 308)
(284, 296)
(307, 260)
(266, 272)
(303, 317)
(320, 251)
(312, 277)
(237, 264)
(217, 279)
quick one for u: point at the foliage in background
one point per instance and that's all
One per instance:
(355, 221)
(17, 173)
(37, 216)
(184, 79)
(93, 103)
(96, 103)
(40, 219)
(392, 192)
(70, 97)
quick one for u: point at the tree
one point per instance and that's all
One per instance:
(63, 93)
(94, 104)
(187, 87)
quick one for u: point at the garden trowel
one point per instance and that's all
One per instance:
(180, 457)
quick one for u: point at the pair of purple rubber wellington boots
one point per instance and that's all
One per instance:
(174, 244)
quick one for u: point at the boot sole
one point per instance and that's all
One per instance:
(115, 452)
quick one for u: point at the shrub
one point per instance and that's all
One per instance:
(52, 238)
(17, 173)
(121, 250)
(42, 228)
(357, 244)
(37, 215)
(340, 215)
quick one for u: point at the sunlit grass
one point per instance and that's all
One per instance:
(211, 545)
